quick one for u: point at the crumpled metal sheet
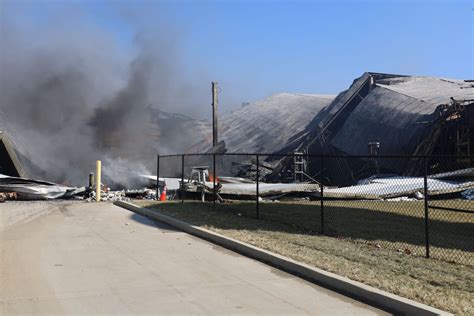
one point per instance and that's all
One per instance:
(397, 186)
(468, 194)
(29, 189)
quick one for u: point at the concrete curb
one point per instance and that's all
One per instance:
(378, 298)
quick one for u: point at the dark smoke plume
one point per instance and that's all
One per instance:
(69, 96)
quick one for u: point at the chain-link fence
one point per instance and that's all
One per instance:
(417, 205)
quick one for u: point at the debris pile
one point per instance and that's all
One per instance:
(29, 189)
(266, 125)
(400, 115)
(15, 188)
(405, 188)
(248, 169)
(7, 196)
(141, 194)
(468, 194)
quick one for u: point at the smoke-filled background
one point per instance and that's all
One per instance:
(70, 94)
(87, 80)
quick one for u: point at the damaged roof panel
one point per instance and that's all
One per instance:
(395, 110)
(396, 187)
(403, 115)
(393, 119)
(432, 90)
(267, 125)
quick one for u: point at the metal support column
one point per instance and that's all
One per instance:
(158, 177)
(214, 176)
(257, 188)
(321, 186)
(215, 137)
(427, 239)
(182, 179)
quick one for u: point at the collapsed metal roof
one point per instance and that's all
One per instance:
(397, 111)
(267, 125)
(404, 115)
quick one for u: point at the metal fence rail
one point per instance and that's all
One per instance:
(418, 205)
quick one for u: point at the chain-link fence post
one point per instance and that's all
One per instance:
(425, 186)
(182, 179)
(257, 188)
(158, 177)
(321, 189)
(214, 176)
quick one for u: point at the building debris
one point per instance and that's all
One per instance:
(379, 114)
(399, 115)
(141, 194)
(248, 169)
(388, 188)
(468, 194)
(4, 196)
(266, 125)
(29, 189)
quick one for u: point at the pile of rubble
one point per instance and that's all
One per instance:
(7, 196)
(16, 188)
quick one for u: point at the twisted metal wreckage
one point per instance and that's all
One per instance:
(378, 115)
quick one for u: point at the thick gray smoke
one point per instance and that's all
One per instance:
(69, 96)
(120, 123)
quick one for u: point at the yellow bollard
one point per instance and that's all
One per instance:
(98, 176)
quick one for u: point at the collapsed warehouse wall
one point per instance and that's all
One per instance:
(403, 115)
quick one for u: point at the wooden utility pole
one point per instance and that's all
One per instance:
(214, 114)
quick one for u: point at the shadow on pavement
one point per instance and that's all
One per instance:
(146, 221)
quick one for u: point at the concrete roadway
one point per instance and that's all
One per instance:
(85, 258)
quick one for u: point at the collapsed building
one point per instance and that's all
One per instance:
(386, 114)
(258, 126)
(379, 114)
(266, 125)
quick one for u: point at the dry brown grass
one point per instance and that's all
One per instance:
(448, 286)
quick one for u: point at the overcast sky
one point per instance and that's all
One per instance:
(257, 48)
